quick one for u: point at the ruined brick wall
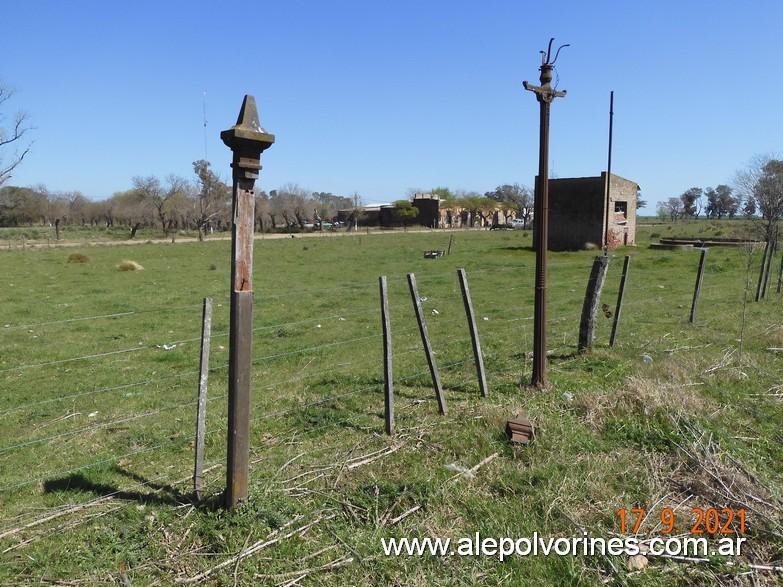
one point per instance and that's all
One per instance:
(577, 216)
(622, 218)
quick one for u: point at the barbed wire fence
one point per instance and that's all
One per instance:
(318, 372)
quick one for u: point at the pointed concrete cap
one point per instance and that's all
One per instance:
(246, 135)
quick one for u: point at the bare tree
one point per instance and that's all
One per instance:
(12, 137)
(673, 207)
(162, 197)
(357, 212)
(762, 184)
(296, 204)
(516, 197)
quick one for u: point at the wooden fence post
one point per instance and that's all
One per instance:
(203, 376)
(474, 338)
(761, 271)
(590, 306)
(780, 274)
(697, 290)
(247, 140)
(620, 296)
(769, 268)
(388, 381)
(425, 340)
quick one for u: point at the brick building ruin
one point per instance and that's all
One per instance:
(577, 216)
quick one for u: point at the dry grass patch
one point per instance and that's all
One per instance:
(640, 397)
(78, 258)
(129, 266)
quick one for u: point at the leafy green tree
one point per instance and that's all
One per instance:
(720, 202)
(749, 209)
(404, 211)
(210, 197)
(22, 206)
(327, 204)
(691, 202)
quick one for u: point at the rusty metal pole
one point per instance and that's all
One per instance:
(247, 140)
(545, 94)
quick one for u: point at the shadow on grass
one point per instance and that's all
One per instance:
(522, 248)
(158, 494)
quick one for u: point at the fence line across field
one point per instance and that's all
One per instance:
(209, 464)
(409, 332)
(632, 292)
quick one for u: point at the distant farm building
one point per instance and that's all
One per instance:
(577, 212)
(432, 212)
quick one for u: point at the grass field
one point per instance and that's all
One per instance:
(98, 380)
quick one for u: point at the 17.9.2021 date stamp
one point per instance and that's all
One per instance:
(711, 521)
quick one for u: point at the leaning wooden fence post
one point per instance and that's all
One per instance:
(474, 338)
(780, 274)
(590, 306)
(620, 296)
(203, 376)
(769, 268)
(697, 289)
(425, 340)
(761, 271)
(388, 381)
(247, 140)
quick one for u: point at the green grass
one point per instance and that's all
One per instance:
(96, 412)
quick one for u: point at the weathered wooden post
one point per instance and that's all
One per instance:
(388, 379)
(247, 140)
(425, 341)
(620, 296)
(474, 337)
(697, 289)
(590, 305)
(201, 413)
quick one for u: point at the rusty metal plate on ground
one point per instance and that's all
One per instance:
(520, 430)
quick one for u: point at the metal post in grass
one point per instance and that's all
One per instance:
(203, 376)
(697, 289)
(247, 140)
(388, 381)
(545, 94)
(425, 340)
(620, 296)
(474, 338)
(590, 306)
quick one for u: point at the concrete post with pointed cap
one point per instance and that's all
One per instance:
(247, 140)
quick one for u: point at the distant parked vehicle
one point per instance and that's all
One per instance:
(517, 224)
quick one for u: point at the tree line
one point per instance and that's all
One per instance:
(169, 204)
(757, 194)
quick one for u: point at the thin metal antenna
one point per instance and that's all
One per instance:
(608, 174)
(204, 103)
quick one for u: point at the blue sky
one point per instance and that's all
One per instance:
(377, 97)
